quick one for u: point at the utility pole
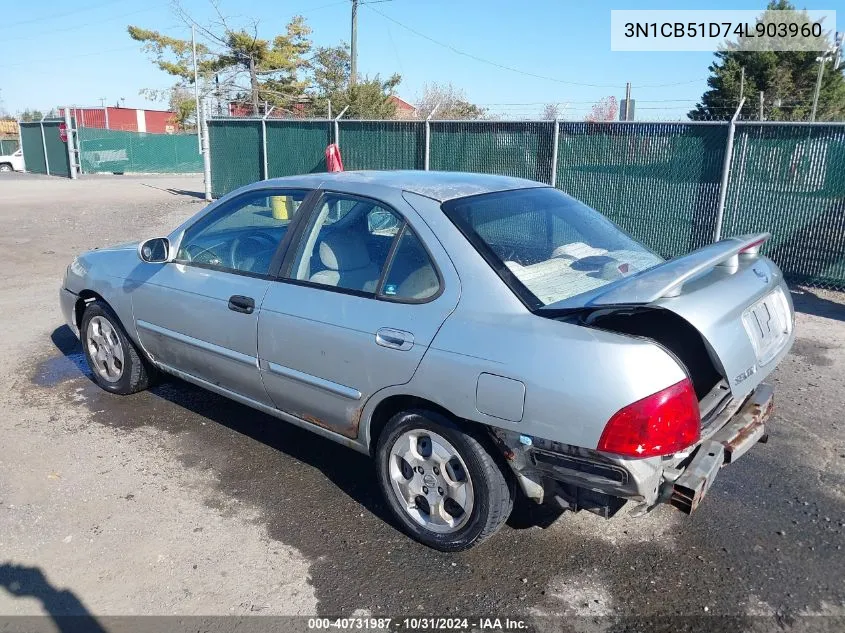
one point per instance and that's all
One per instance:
(762, 98)
(105, 112)
(742, 84)
(821, 60)
(196, 87)
(829, 55)
(628, 101)
(353, 76)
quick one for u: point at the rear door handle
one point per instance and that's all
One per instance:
(239, 303)
(394, 339)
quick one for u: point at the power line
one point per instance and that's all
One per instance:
(517, 70)
(79, 26)
(53, 16)
(64, 57)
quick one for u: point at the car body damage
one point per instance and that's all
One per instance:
(491, 319)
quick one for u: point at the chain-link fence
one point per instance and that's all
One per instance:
(115, 151)
(790, 180)
(43, 148)
(659, 181)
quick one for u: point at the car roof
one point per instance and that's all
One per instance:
(438, 185)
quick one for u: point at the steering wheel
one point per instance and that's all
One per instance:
(248, 245)
(201, 255)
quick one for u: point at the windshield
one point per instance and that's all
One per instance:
(545, 244)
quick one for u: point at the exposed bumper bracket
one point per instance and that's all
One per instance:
(725, 446)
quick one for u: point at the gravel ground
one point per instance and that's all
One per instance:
(177, 501)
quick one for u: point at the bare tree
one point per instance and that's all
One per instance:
(605, 110)
(552, 111)
(453, 103)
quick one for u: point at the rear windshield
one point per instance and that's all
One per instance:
(545, 244)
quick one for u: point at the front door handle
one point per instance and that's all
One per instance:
(394, 339)
(239, 303)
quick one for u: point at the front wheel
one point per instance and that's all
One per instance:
(5, 167)
(115, 362)
(442, 483)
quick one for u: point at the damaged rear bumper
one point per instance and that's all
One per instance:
(578, 478)
(686, 490)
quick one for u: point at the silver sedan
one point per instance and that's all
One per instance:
(481, 337)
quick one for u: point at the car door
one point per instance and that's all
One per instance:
(362, 294)
(198, 312)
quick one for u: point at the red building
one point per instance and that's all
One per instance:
(126, 119)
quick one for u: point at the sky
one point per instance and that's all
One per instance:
(56, 53)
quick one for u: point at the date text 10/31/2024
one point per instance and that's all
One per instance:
(418, 624)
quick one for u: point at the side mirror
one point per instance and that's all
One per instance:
(154, 250)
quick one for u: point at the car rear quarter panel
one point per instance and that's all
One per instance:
(575, 378)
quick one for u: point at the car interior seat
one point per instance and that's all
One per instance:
(347, 262)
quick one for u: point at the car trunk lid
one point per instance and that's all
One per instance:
(727, 291)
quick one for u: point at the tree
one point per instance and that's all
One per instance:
(262, 69)
(786, 78)
(180, 100)
(605, 110)
(31, 115)
(451, 103)
(369, 98)
(552, 111)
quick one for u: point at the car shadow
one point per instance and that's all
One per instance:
(731, 556)
(807, 301)
(67, 611)
(335, 461)
(177, 192)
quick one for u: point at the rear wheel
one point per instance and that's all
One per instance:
(442, 483)
(116, 364)
(5, 167)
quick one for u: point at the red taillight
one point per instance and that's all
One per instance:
(753, 248)
(661, 424)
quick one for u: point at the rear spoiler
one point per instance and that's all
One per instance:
(666, 279)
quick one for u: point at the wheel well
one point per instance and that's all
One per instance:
(389, 407)
(85, 297)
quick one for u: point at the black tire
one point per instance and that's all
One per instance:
(5, 167)
(493, 490)
(137, 372)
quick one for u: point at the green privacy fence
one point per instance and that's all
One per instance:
(494, 147)
(659, 181)
(383, 144)
(790, 180)
(8, 146)
(115, 151)
(44, 152)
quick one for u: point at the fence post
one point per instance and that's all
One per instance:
(726, 171)
(337, 126)
(428, 135)
(265, 173)
(71, 158)
(206, 157)
(44, 146)
(20, 141)
(555, 143)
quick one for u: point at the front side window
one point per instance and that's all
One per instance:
(243, 234)
(552, 246)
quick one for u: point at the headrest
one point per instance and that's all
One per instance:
(344, 251)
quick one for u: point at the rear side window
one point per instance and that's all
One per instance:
(412, 275)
